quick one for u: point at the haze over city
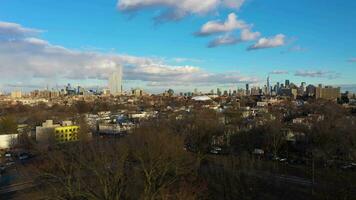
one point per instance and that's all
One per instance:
(182, 45)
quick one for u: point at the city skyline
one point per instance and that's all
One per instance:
(162, 44)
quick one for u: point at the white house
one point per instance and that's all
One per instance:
(8, 140)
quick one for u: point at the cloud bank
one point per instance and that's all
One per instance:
(27, 58)
(174, 9)
(170, 10)
(228, 37)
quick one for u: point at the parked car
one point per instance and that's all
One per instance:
(24, 156)
(8, 155)
(2, 168)
(216, 150)
(10, 163)
(258, 152)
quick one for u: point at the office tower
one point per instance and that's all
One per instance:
(247, 89)
(277, 87)
(287, 83)
(265, 90)
(218, 91)
(115, 82)
(268, 86)
(302, 89)
(303, 84)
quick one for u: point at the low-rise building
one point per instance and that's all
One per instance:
(66, 133)
(8, 140)
(50, 132)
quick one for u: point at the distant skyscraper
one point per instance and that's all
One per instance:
(287, 83)
(247, 89)
(277, 87)
(115, 82)
(268, 86)
(218, 91)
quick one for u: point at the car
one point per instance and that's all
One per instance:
(24, 156)
(258, 152)
(10, 163)
(2, 168)
(214, 152)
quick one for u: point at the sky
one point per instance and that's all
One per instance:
(182, 44)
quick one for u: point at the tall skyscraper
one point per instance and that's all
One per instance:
(218, 91)
(247, 89)
(115, 82)
(268, 86)
(277, 87)
(287, 84)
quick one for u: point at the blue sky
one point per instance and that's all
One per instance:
(318, 43)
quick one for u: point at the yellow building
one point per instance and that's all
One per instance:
(328, 93)
(66, 133)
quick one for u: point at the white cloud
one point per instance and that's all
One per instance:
(248, 35)
(229, 39)
(224, 40)
(231, 24)
(262, 43)
(236, 4)
(16, 30)
(30, 58)
(317, 74)
(174, 9)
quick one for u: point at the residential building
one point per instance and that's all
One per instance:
(66, 133)
(328, 92)
(115, 82)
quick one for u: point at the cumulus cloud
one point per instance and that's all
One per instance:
(29, 58)
(229, 39)
(279, 72)
(317, 74)
(248, 35)
(272, 42)
(173, 9)
(224, 40)
(213, 27)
